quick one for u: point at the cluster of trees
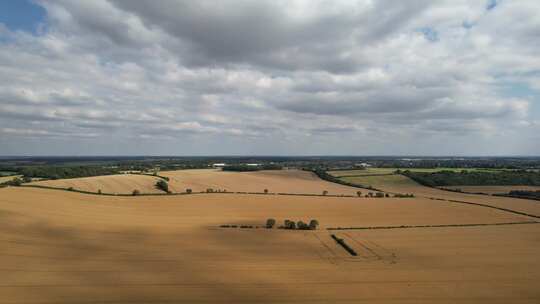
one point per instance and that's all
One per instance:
(288, 224)
(58, 172)
(162, 185)
(475, 178)
(246, 168)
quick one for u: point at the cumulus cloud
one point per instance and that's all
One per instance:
(263, 77)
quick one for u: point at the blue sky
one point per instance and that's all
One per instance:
(21, 15)
(103, 77)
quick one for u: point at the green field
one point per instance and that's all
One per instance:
(7, 173)
(380, 181)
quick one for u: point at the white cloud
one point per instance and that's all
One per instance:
(273, 72)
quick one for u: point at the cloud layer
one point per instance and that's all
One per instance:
(273, 77)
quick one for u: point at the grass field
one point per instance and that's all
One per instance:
(285, 181)
(64, 247)
(4, 179)
(382, 182)
(115, 184)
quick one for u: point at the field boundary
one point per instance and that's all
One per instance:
(432, 226)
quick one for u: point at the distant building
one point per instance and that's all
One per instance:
(363, 165)
(219, 165)
(253, 165)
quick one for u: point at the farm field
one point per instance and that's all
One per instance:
(114, 184)
(65, 247)
(382, 182)
(493, 189)
(4, 179)
(284, 181)
(402, 184)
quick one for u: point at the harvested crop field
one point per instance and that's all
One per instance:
(114, 184)
(64, 247)
(276, 181)
(493, 189)
(402, 184)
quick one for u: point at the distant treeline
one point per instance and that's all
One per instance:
(246, 168)
(475, 178)
(58, 172)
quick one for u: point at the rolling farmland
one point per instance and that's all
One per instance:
(64, 247)
(276, 181)
(113, 184)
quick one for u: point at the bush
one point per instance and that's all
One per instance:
(209, 190)
(70, 189)
(324, 192)
(189, 191)
(135, 192)
(313, 224)
(265, 191)
(162, 185)
(359, 193)
(99, 191)
(270, 223)
(16, 181)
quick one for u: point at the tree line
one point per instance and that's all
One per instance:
(475, 178)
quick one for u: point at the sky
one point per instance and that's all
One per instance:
(277, 77)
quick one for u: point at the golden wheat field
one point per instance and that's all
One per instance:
(402, 184)
(65, 247)
(284, 181)
(113, 184)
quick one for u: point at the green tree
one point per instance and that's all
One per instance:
(313, 224)
(162, 185)
(270, 223)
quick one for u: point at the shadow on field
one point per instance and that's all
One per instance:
(41, 262)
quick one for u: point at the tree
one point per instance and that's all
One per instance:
(162, 185)
(99, 191)
(270, 223)
(313, 224)
(188, 191)
(265, 191)
(16, 181)
(301, 225)
(324, 192)
(135, 192)
(209, 190)
(359, 193)
(289, 224)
